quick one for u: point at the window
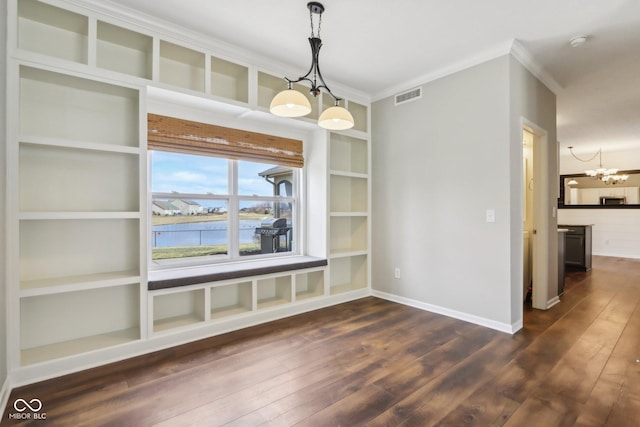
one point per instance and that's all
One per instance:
(221, 194)
(206, 208)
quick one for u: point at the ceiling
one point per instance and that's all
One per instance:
(378, 47)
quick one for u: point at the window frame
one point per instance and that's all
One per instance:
(233, 199)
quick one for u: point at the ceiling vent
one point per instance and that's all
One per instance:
(410, 95)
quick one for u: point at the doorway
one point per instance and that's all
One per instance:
(536, 224)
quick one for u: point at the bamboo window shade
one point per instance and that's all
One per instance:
(187, 137)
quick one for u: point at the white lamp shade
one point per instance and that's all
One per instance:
(336, 118)
(290, 103)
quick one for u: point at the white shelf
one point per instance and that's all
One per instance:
(81, 345)
(176, 322)
(309, 284)
(349, 214)
(64, 324)
(178, 309)
(231, 299)
(348, 273)
(348, 194)
(229, 310)
(40, 216)
(78, 145)
(268, 87)
(348, 234)
(273, 291)
(229, 80)
(359, 113)
(347, 253)
(63, 107)
(66, 179)
(48, 286)
(348, 155)
(181, 66)
(52, 249)
(349, 174)
(124, 51)
(52, 31)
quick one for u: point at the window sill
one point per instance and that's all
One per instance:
(171, 278)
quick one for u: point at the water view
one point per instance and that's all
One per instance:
(201, 233)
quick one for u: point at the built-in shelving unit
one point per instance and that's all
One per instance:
(78, 209)
(77, 214)
(178, 308)
(349, 225)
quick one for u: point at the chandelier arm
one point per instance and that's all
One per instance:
(316, 44)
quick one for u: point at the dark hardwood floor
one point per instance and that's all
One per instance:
(376, 363)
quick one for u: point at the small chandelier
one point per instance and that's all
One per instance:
(608, 176)
(291, 103)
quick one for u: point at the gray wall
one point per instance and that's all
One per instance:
(3, 143)
(439, 163)
(533, 101)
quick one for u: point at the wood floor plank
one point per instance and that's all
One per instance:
(621, 370)
(577, 372)
(374, 362)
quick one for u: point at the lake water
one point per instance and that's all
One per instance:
(201, 233)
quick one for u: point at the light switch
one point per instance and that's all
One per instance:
(491, 215)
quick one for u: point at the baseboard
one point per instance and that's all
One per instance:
(5, 393)
(553, 301)
(477, 320)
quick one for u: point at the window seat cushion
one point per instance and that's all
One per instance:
(172, 278)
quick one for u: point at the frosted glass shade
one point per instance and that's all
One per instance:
(290, 103)
(336, 118)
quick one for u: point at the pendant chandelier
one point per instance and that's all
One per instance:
(291, 103)
(608, 176)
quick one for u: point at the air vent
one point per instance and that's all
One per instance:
(410, 95)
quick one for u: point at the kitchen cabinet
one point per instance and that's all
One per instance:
(578, 246)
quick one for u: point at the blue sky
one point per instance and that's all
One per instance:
(199, 174)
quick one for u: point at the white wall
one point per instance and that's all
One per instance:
(3, 144)
(616, 232)
(438, 164)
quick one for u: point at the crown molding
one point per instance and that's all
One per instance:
(511, 47)
(494, 52)
(524, 57)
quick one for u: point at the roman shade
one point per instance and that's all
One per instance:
(184, 136)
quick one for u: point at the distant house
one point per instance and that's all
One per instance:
(159, 207)
(188, 207)
(281, 177)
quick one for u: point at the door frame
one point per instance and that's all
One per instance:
(542, 298)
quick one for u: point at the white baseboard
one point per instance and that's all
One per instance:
(5, 392)
(553, 301)
(477, 320)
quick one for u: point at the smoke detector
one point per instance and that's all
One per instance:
(578, 41)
